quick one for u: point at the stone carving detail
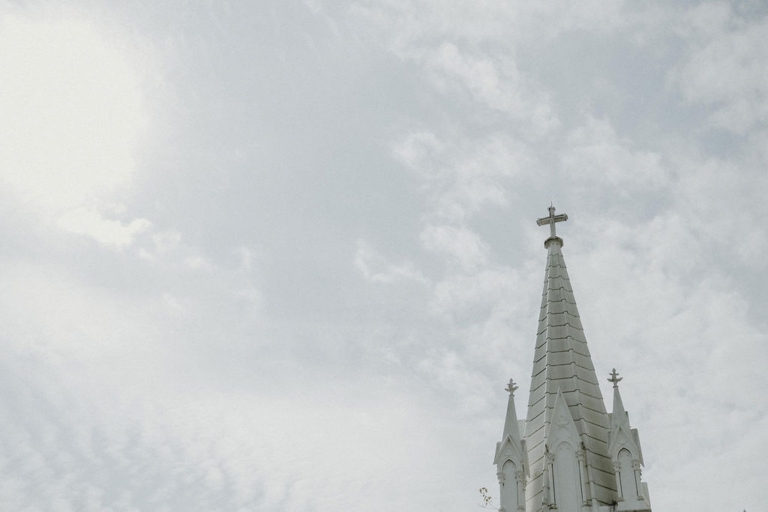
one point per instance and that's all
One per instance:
(615, 379)
(511, 387)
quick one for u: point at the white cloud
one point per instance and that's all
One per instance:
(197, 262)
(467, 384)
(417, 23)
(107, 232)
(460, 243)
(716, 198)
(166, 242)
(463, 177)
(726, 67)
(72, 115)
(417, 150)
(496, 83)
(376, 268)
(478, 296)
(707, 20)
(595, 154)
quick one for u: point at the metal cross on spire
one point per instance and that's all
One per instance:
(551, 220)
(615, 378)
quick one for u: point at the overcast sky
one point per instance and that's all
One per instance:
(281, 255)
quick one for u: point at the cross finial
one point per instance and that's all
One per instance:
(615, 378)
(511, 387)
(551, 219)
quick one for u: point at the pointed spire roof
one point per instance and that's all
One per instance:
(511, 446)
(562, 364)
(511, 428)
(618, 414)
(622, 434)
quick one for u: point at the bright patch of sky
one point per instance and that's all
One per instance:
(282, 256)
(72, 112)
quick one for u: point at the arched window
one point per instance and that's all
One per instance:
(509, 487)
(567, 480)
(627, 476)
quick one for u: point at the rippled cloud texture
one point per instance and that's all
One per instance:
(282, 255)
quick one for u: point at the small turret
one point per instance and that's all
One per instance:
(626, 455)
(511, 459)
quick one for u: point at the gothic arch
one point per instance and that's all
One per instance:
(567, 492)
(509, 487)
(625, 474)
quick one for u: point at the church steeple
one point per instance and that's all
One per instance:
(562, 364)
(567, 430)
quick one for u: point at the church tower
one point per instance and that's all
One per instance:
(569, 454)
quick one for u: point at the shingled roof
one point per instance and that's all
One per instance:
(562, 362)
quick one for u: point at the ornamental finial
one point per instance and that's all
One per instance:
(551, 219)
(615, 378)
(511, 387)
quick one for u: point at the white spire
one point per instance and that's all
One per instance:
(618, 414)
(573, 455)
(626, 456)
(511, 460)
(511, 427)
(562, 364)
